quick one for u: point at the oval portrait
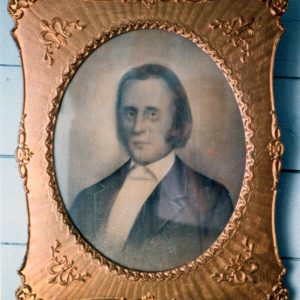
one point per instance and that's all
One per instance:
(149, 150)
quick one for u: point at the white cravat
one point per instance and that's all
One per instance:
(137, 187)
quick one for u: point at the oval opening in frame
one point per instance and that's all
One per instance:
(149, 150)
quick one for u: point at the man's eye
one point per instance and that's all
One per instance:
(129, 114)
(153, 115)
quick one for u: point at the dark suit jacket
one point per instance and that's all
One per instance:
(182, 217)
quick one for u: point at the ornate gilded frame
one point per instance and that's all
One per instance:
(54, 38)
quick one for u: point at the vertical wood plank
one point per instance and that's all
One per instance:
(11, 260)
(288, 51)
(287, 102)
(9, 54)
(292, 278)
(13, 214)
(11, 98)
(287, 215)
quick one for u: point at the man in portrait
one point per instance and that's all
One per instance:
(154, 212)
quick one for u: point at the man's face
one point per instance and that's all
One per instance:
(146, 117)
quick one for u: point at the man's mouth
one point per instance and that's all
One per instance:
(138, 144)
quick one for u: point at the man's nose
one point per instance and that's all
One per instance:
(139, 125)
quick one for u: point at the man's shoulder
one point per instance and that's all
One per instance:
(205, 182)
(200, 180)
(109, 181)
(205, 193)
(87, 199)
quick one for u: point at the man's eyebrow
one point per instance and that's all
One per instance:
(152, 108)
(129, 107)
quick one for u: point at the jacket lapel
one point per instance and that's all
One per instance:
(104, 197)
(171, 196)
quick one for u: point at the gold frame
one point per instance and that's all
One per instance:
(237, 34)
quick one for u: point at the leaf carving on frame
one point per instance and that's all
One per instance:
(242, 268)
(275, 149)
(278, 7)
(238, 32)
(279, 292)
(62, 270)
(148, 3)
(55, 35)
(151, 3)
(149, 296)
(16, 7)
(24, 292)
(23, 153)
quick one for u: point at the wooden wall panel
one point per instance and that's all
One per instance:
(287, 215)
(292, 277)
(11, 98)
(293, 12)
(287, 101)
(9, 54)
(13, 214)
(13, 220)
(288, 53)
(11, 257)
(287, 58)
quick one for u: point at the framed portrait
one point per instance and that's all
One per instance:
(149, 149)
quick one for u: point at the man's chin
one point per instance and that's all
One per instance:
(143, 157)
(145, 160)
(141, 161)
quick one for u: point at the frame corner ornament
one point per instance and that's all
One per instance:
(24, 292)
(23, 153)
(242, 268)
(16, 7)
(279, 292)
(55, 34)
(62, 271)
(149, 3)
(149, 296)
(277, 7)
(238, 33)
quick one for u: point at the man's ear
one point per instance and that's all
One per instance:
(172, 136)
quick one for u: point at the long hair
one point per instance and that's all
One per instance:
(182, 121)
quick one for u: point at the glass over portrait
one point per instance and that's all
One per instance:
(149, 150)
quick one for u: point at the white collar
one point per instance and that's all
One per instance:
(160, 167)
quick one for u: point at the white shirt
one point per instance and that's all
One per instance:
(137, 187)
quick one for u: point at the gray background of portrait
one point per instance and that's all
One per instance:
(86, 144)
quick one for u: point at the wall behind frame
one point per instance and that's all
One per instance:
(13, 213)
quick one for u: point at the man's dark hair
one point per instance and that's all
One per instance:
(182, 122)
